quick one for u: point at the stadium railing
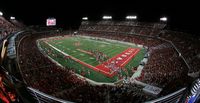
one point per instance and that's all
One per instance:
(171, 98)
(45, 98)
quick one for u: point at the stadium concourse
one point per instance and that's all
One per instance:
(171, 58)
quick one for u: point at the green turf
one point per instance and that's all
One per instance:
(111, 49)
(67, 45)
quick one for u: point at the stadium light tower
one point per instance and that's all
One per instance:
(107, 17)
(131, 17)
(85, 18)
(164, 19)
(1, 14)
(12, 18)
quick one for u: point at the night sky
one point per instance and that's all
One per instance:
(69, 13)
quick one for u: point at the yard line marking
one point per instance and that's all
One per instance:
(130, 57)
(82, 54)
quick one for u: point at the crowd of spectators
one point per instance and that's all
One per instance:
(188, 45)
(123, 27)
(6, 27)
(17, 23)
(164, 66)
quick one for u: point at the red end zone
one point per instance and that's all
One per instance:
(115, 63)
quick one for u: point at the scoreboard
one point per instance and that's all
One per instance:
(51, 22)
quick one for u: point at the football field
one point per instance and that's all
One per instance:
(96, 59)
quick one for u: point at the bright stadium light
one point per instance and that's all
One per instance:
(85, 18)
(75, 32)
(131, 17)
(12, 18)
(107, 17)
(1, 14)
(163, 19)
